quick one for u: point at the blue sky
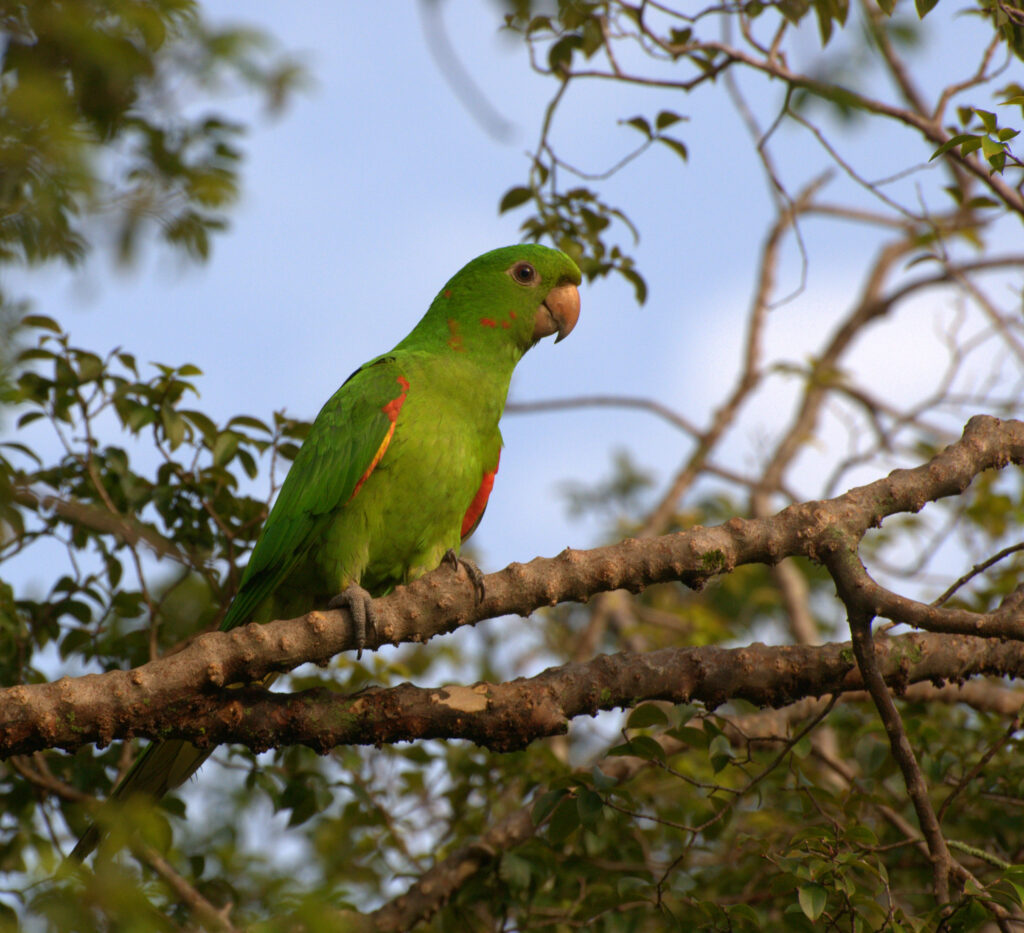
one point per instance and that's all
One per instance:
(377, 184)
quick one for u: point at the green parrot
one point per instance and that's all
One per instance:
(396, 469)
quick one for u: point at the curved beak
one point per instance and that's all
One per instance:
(558, 313)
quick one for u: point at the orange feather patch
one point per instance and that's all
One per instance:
(391, 410)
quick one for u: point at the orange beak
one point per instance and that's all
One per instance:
(558, 313)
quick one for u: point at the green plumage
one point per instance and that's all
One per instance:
(389, 477)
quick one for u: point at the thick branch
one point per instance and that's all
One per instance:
(122, 703)
(508, 716)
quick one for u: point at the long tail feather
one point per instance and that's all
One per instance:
(162, 767)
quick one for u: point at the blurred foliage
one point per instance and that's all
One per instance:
(136, 510)
(101, 138)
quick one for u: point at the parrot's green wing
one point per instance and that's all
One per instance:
(344, 445)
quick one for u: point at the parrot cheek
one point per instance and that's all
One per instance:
(558, 313)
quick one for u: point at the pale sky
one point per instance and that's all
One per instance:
(376, 185)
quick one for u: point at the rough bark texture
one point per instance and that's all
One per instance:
(183, 695)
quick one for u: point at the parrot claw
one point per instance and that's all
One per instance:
(359, 603)
(474, 573)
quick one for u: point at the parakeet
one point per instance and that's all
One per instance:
(397, 467)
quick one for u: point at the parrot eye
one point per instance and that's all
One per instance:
(524, 273)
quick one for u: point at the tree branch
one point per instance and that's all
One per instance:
(180, 695)
(508, 716)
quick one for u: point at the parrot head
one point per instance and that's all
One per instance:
(553, 274)
(510, 297)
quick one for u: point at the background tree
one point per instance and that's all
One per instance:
(747, 787)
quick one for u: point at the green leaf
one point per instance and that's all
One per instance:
(639, 123)
(77, 610)
(248, 463)
(981, 202)
(924, 7)
(970, 145)
(29, 417)
(813, 899)
(683, 713)
(247, 421)
(593, 36)
(950, 143)
(41, 321)
(204, 423)
(861, 834)
(720, 752)
(638, 283)
(803, 748)
(590, 806)
(90, 367)
(603, 782)
(1018, 890)
(676, 146)
(643, 746)
(973, 888)
(649, 714)
(990, 147)
(36, 353)
(513, 198)
(514, 870)
(560, 54)
(75, 642)
(564, 821)
(128, 361)
(174, 426)
(988, 120)
(225, 446)
(665, 119)
(545, 805)
(696, 738)
(887, 6)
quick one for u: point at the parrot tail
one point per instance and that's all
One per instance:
(162, 767)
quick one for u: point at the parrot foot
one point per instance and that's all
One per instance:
(359, 603)
(474, 573)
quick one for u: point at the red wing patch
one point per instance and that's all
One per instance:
(476, 508)
(395, 405)
(391, 410)
(487, 322)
